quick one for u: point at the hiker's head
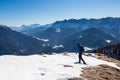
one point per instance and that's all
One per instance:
(81, 44)
(78, 44)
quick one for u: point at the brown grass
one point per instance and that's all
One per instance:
(104, 57)
(107, 58)
(102, 72)
(87, 54)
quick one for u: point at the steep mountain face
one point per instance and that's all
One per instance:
(12, 42)
(111, 50)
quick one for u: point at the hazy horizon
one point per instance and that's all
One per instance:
(54, 21)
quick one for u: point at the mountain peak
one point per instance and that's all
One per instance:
(4, 27)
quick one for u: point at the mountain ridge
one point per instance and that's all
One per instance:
(96, 33)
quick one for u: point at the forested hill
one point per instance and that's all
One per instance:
(111, 50)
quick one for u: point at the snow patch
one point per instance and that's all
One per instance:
(58, 30)
(44, 40)
(87, 49)
(45, 45)
(108, 41)
(58, 46)
(80, 36)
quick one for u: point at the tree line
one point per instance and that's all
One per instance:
(111, 50)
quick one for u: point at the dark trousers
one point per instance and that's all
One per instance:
(80, 58)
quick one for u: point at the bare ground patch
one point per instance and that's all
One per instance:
(101, 72)
(104, 57)
(107, 58)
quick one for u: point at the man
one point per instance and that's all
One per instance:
(80, 50)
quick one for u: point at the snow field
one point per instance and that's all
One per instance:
(44, 67)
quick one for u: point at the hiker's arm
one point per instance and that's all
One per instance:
(76, 51)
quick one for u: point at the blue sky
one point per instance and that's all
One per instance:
(19, 12)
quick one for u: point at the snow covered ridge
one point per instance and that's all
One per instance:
(45, 67)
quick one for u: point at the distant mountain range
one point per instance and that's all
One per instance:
(60, 36)
(25, 28)
(92, 33)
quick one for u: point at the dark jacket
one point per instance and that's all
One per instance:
(80, 49)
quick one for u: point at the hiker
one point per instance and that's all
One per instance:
(80, 50)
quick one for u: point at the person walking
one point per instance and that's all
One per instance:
(80, 50)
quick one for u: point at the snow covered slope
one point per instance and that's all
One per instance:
(45, 67)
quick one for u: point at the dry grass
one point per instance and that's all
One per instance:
(104, 57)
(102, 72)
(107, 58)
(87, 54)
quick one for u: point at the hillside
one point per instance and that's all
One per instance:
(110, 50)
(12, 42)
(6, 48)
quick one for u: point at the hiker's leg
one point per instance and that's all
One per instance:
(83, 60)
(79, 58)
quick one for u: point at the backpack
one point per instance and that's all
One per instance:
(82, 48)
